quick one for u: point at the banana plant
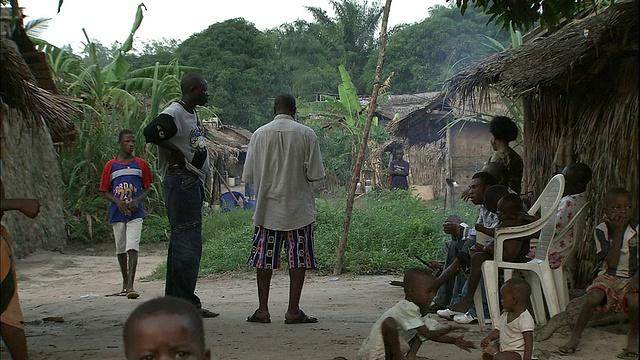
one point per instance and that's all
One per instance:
(113, 98)
(345, 115)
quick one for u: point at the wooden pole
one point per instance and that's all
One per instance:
(342, 246)
(224, 182)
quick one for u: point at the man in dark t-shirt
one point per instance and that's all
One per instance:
(399, 170)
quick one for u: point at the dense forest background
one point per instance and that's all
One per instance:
(247, 67)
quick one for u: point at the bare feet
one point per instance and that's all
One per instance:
(570, 346)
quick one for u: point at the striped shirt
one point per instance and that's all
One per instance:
(628, 260)
(125, 180)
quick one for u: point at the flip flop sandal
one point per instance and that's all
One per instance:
(132, 295)
(207, 313)
(301, 319)
(256, 319)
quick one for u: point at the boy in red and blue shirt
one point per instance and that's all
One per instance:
(125, 183)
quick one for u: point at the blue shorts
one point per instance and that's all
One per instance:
(267, 246)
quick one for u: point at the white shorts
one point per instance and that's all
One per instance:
(127, 235)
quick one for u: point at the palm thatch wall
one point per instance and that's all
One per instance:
(579, 88)
(425, 161)
(223, 154)
(31, 117)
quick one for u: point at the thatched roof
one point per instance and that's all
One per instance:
(426, 124)
(18, 90)
(579, 89)
(240, 134)
(553, 60)
(390, 105)
(221, 145)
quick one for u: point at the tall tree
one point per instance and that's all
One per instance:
(239, 62)
(342, 245)
(308, 67)
(423, 55)
(350, 35)
(150, 52)
(523, 14)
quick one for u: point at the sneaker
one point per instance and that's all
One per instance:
(433, 308)
(448, 314)
(467, 318)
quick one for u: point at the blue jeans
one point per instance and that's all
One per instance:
(183, 197)
(472, 310)
(451, 288)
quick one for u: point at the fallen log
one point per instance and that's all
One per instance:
(570, 315)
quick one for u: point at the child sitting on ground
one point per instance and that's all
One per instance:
(510, 213)
(617, 284)
(401, 330)
(515, 327)
(165, 328)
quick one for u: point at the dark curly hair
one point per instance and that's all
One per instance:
(503, 128)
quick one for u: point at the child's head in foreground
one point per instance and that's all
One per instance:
(419, 287)
(514, 293)
(493, 194)
(165, 327)
(509, 206)
(617, 205)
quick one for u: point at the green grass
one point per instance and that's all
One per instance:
(387, 229)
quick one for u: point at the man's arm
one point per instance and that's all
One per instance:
(247, 170)
(29, 207)
(314, 168)
(392, 171)
(160, 130)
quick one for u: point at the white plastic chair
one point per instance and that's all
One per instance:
(560, 275)
(547, 203)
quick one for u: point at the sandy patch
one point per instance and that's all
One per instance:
(73, 286)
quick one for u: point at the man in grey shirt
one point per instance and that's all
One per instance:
(184, 163)
(283, 160)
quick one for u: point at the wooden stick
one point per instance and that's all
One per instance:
(227, 186)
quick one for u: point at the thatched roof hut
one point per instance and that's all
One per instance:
(32, 118)
(389, 105)
(20, 90)
(223, 154)
(579, 88)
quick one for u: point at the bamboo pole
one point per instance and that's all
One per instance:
(224, 182)
(342, 246)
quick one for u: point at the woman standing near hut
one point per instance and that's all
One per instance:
(503, 131)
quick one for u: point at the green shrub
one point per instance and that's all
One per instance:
(156, 229)
(388, 228)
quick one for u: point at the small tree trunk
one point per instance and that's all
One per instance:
(342, 246)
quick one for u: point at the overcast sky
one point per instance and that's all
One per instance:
(180, 19)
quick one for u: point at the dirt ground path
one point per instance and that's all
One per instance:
(73, 286)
